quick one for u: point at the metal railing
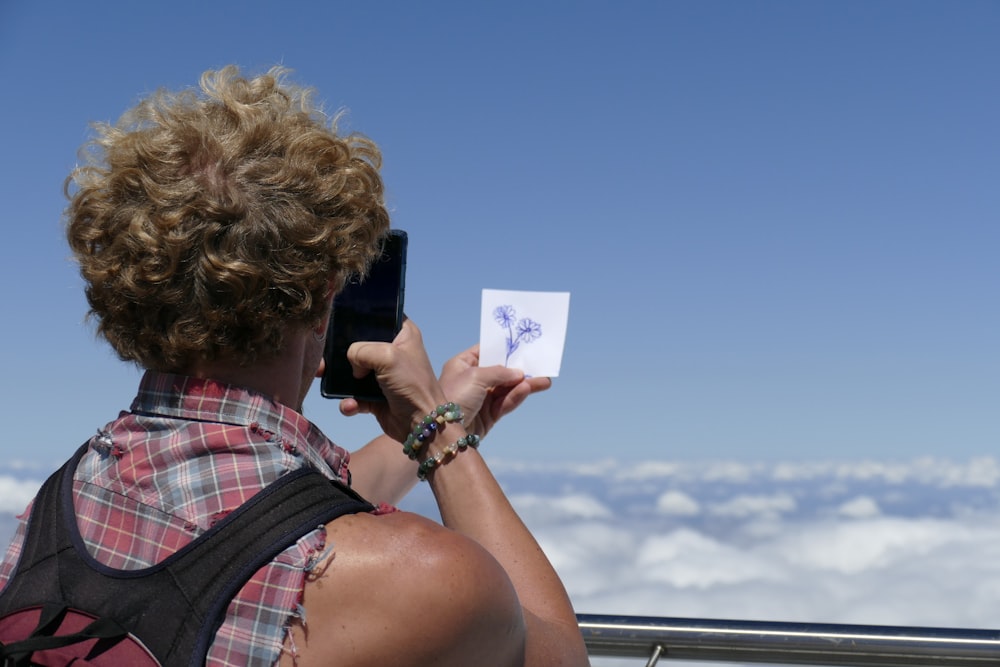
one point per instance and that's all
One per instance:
(655, 638)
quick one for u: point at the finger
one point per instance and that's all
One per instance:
(505, 399)
(409, 330)
(498, 376)
(367, 356)
(462, 360)
(516, 395)
(349, 407)
(539, 383)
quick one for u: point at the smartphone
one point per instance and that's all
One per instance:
(365, 309)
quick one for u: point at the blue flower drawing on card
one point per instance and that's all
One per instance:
(524, 330)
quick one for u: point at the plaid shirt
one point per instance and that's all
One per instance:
(189, 452)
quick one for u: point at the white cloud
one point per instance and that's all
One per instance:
(732, 471)
(677, 503)
(688, 559)
(750, 505)
(649, 470)
(591, 557)
(574, 506)
(869, 542)
(983, 472)
(852, 547)
(861, 507)
(15, 494)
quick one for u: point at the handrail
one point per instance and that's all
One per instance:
(787, 643)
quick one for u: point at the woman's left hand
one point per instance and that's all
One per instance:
(486, 393)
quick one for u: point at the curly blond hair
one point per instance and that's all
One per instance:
(208, 222)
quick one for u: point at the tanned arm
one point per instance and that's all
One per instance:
(473, 504)
(381, 473)
(507, 596)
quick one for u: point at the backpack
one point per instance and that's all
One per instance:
(61, 607)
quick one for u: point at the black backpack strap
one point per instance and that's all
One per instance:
(176, 606)
(44, 539)
(255, 534)
(35, 581)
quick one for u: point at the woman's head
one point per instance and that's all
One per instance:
(206, 223)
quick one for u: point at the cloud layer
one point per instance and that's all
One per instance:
(868, 542)
(888, 543)
(878, 543)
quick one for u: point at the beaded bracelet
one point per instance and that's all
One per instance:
(432, 462)
(427, 427)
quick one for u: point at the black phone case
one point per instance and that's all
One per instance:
(355, 317)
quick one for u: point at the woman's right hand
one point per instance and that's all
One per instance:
(407, 379)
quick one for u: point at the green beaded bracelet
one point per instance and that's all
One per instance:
(427, 427)
(432, 462)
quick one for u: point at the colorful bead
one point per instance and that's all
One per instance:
(432, 462)
(426, 428)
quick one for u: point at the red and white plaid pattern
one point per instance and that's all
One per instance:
(189, 452)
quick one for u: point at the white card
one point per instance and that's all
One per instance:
(524, 330)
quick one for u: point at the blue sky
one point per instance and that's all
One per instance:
(778, 220)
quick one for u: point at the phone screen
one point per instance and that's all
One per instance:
(369, 309)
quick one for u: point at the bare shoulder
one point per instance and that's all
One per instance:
(401, 589)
